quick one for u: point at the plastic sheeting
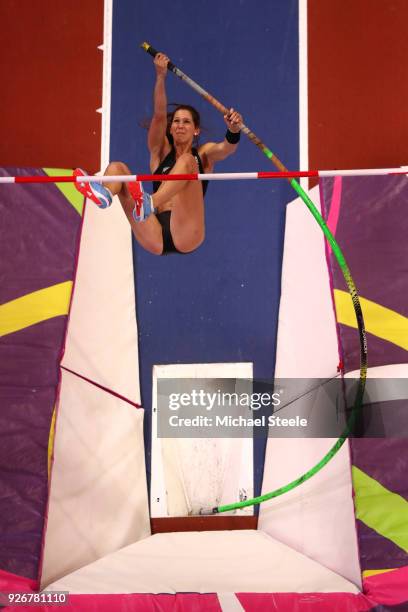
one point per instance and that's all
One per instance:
(194, 473)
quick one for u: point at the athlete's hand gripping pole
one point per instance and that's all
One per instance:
(220, 107)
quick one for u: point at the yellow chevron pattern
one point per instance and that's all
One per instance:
(68, 189)
(368, 573)
(380, 321)
(35, 307)
(380, 509)
(51, 440)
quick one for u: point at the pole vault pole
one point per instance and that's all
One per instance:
(299, 190)
(344, 268)
(220, 107)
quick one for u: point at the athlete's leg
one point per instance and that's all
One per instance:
(185, 164)
(148, 232)
(187, 218)
(185, 200)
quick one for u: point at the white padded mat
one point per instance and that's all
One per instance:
(204, 562)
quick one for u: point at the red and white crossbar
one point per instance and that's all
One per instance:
(226, 176)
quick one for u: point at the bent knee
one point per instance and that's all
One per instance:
(156, 249)
(117, 167)
(151, 243)
(186, 244)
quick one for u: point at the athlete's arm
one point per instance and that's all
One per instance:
(216, 151)
(157, 142)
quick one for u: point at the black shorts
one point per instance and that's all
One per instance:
(168, 244)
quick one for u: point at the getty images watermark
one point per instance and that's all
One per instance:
(208, 400)
(221, 399)
(298, 408)
(220, 408)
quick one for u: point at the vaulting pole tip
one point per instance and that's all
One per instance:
(153, 52)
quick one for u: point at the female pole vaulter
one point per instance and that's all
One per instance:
(171, 220)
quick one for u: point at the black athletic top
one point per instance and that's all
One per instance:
(168, 162)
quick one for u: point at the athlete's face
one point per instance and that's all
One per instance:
(182, 127)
